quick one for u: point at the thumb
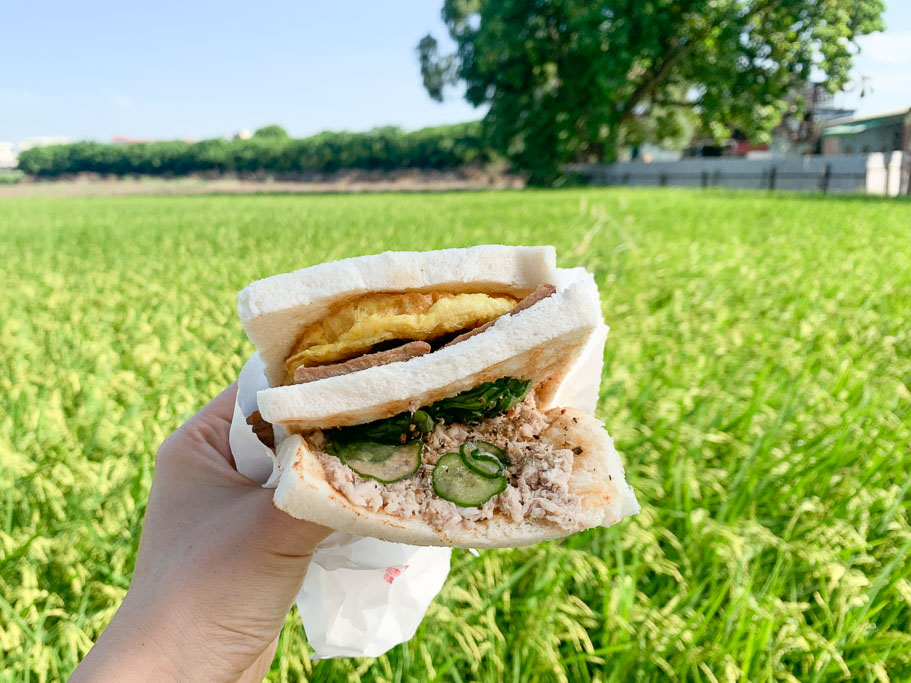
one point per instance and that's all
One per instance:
(288, 536)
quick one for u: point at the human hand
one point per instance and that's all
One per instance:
(217, 570)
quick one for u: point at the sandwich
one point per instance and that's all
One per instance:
(433, 398)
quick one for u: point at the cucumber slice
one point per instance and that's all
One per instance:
(481, 463)
(383, 462)
(487, 449)
(453, 481)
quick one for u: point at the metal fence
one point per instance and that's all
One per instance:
(885, 174)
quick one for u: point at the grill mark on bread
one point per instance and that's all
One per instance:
(302, 375)
(541, 292)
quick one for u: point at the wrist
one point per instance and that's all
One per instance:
(132, 648)
(154, 639)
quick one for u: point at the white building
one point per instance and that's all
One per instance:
(8, 156)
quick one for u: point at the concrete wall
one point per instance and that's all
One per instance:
(861, 173)
(886, 174)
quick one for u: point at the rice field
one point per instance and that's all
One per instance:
(757, 381)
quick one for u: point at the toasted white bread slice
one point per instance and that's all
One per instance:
(274, 311)
(597, 477)
(541, 343)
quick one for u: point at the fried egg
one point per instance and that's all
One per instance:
(355, 327)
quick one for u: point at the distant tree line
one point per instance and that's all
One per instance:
(270, 150)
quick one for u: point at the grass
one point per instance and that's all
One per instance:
(757, 380)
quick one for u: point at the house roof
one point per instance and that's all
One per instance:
(857, 124)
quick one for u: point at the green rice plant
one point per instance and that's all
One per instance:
(757, 381)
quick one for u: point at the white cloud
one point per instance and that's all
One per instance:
(893, 48)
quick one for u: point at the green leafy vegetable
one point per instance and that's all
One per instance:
(470, 407)
(396, 429)
(478, 404)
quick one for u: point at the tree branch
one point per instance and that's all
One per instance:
(648, 86)
(673, 57)
(675, 103)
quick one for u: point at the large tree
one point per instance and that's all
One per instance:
(573, 80)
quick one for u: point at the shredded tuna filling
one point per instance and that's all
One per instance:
(538, 476)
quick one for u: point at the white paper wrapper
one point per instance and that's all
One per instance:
(363, 596)
(387, 588)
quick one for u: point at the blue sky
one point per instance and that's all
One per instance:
(201, 69)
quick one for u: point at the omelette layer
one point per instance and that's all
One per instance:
(356, 326)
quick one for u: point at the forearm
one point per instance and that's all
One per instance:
(152, 638)
(130, 649)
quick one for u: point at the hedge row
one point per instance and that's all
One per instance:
(380, 149)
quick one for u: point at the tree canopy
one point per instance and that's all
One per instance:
(573, 80)
(273, 131)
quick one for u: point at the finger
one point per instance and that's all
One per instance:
(288, 536)
(212, 424)
(222, 406)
